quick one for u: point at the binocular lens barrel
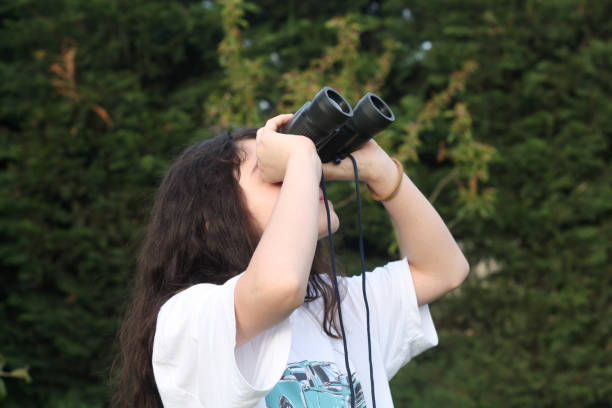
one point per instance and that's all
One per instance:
(319, 118)
(335, 128)
(371, 115)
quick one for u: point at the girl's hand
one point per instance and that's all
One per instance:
(274, 149)
(373, 163)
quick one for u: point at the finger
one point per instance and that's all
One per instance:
(276, 122)
(367, 148)
(342, 171)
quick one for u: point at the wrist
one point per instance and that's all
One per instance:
(384, 176)
(305, 156)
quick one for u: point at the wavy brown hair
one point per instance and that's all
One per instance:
(199, 231)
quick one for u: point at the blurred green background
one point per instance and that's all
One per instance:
(504, 121)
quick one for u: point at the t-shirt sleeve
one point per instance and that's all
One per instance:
(402, 328)
(195, 362)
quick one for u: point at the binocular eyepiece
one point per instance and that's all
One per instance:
(334, 127)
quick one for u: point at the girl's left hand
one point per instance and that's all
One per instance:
(373, 164)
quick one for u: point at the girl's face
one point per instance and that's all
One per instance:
(261, 196)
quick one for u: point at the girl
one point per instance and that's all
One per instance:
(233, 303)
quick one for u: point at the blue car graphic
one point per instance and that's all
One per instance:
(314, 384)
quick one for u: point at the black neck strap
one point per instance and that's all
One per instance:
(363, 279)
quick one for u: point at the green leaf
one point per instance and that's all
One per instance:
(21, 373)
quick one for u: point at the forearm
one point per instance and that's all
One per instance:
(284, 255)
(424, 238)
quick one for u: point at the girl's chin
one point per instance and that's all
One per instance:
(328, 202)
(335, 224)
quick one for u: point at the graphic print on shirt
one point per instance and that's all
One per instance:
(314, 384)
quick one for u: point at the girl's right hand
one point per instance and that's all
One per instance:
(274, 149)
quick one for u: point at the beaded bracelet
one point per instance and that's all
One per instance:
(392, 194)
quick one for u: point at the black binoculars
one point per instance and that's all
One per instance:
(334, 127)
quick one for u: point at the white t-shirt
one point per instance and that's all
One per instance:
(293, 364)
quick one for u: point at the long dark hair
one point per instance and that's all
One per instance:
(199, 231)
